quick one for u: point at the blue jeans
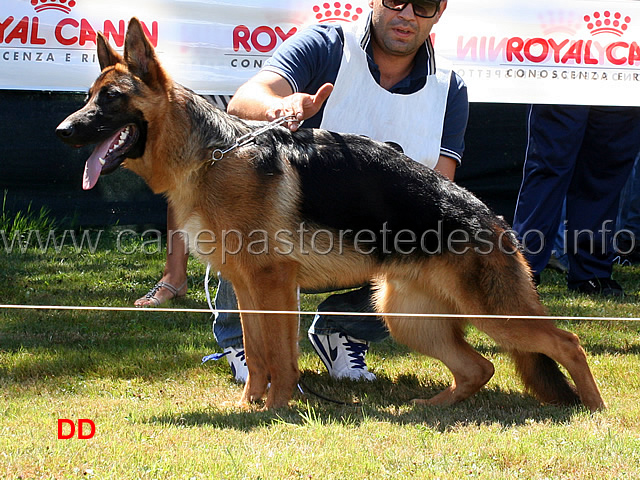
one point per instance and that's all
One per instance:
(369, 328)
(228, 330)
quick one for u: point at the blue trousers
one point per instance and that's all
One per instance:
(629, 213)
(584, 154)
(228, 330)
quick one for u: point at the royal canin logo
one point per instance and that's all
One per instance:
(561, 44)
(265, 38)
(336, 12)
(67, 32)
(60, 5)
(607, 22)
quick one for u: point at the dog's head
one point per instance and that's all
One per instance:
(114, 116)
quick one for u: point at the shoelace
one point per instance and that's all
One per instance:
(240, 355)
(358, 351)
(218, 356)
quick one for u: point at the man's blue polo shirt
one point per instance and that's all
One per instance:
(312, 58)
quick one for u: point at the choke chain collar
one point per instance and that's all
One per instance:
(218, 153)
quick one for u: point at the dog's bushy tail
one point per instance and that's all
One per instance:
(543, 378)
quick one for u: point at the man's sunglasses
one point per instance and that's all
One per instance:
(421, 8)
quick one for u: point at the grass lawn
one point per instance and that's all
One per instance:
(159, 413)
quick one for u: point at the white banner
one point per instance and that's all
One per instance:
(513, 51)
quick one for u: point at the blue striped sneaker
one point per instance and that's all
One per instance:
(238, 364)
(342, 355)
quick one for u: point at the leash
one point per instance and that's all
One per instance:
(301, 384)
(218, 153)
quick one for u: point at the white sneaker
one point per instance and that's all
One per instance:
(238, 364)
(342, 355)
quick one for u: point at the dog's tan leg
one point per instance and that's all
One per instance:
(503, 286)
(471, 371)
(440, 338)
(542, 336)
(271, 340)
(252, 330)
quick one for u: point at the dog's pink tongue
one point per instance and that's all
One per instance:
(91, 170)
(93, 167)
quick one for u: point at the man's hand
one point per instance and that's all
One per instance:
(300, 105)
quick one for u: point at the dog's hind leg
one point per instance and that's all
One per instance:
(470, 370)
(441, 338)
(270, 340)
(536, 345)
(504, 287)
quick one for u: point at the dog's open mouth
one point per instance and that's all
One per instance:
(108, 155)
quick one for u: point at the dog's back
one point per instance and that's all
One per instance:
(352, 183)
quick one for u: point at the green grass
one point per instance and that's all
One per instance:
(160, 414)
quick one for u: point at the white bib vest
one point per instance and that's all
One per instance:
(359, 105)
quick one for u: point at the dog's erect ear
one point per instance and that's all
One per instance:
(107, 56)
(140, 56)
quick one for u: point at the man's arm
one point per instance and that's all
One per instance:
(268, 96)
(446, 166)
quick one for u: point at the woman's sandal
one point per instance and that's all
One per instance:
(150, 299)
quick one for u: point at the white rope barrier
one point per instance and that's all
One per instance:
(295, 312)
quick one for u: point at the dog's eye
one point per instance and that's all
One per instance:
(110, 94)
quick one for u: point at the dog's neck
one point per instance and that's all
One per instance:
(209, 128)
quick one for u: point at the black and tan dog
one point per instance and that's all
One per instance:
(317, 210)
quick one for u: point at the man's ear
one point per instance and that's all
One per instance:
(107, 56)
(140, 56)
(443, 7)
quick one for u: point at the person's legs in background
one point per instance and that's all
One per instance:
(555, 136)
(173, 283)
(605, 161)
(627, 240)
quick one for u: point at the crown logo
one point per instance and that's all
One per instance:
(336, 12)
(607, 22)
(61, 5)
(559, 22)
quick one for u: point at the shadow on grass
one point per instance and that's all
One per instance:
(381, 401)
(43, 344)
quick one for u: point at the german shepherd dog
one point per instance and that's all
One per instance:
(332, 211)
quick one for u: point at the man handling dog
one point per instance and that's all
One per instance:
(378, 78)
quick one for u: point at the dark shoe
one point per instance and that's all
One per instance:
(622, 260)
(599, 286)
(628, 252)
(627, 259)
